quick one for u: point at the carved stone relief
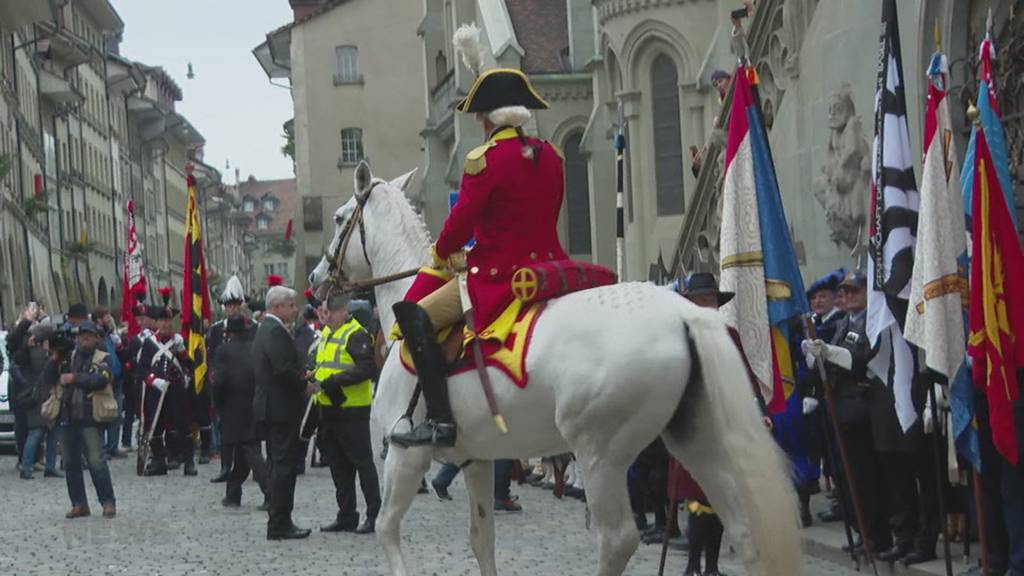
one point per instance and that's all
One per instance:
(845, 173)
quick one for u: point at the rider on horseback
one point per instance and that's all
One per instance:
(509, 202)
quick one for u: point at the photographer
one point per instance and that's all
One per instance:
(80, 377)
(21, 384)
(32, 358)
(110, 343)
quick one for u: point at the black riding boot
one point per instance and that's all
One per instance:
(187, 450)
(439, 427)
(157, 465)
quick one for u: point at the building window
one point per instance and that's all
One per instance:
(248, 205)
(270, 203)
(668, 144)
(351, 145)
(577, 193)
(313, 214)
(262, 222)
(278, 268)
(347, 71)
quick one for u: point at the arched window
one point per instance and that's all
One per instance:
(668, 144)
(577, 195)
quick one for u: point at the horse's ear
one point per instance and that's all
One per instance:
(363, 177)
(403, 181)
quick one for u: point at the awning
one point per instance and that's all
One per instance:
(271, 68)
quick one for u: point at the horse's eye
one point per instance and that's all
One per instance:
(337, 220)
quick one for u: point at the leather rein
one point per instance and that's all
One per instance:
(337, 280)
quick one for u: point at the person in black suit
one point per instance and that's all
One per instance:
(232, 395)
(278, 405)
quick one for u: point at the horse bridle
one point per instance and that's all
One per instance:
(337, 280)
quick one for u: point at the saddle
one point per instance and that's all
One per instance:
(505, 342)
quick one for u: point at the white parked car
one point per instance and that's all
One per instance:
(6, 415)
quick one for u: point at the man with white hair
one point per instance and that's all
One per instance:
(278, 406)
(509, 202)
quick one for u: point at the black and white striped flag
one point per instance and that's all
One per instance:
(893, 224)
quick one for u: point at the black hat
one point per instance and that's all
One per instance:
(719, 75)
(235, 324)
(78, 310)
(159, 312)
(700, 283)
(501, 87)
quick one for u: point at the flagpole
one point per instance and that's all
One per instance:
(851, 484)
(620, 185)
(943, 525)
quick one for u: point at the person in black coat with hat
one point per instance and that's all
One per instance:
(233, 390)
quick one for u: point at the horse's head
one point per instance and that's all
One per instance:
(347, 257)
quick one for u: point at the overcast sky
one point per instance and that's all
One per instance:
(230, 100)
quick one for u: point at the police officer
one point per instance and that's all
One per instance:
(824, 299)
(509, 201)
(846, 359)
(345, 367)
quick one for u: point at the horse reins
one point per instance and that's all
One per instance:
(336, 272)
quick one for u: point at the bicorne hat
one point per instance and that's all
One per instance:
(495, 88)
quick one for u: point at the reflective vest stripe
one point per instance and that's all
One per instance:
(332, 358)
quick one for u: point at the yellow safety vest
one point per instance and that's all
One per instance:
(332, 358)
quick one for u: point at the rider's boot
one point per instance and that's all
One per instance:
(428, 358)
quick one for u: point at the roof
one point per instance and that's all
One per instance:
(542, 29)
(287, 193)
(327, 7)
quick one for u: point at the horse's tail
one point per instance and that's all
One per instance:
(718, 436)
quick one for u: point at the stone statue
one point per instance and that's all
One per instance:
(842, 187)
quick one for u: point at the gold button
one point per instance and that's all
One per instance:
(494, 271)
(533, 255)
(474, 270)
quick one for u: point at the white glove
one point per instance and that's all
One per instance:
(838, 356)
(812, 350)
(810, 405)
(161, 384)
(940, 397)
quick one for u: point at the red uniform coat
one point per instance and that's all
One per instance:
(510, 205)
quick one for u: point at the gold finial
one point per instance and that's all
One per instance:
(973, 115)
(938, 36)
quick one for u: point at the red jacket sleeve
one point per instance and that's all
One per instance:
(474, 193)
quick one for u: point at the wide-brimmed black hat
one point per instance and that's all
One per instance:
(78, 310)
(700, 283)
(501, 87)
(160, 312)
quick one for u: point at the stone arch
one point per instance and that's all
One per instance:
(567, 127)
(101, 293)
(647, 39)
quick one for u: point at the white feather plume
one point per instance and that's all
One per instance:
(233, 290)
(467, 42)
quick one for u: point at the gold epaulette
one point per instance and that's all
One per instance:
(476, 160)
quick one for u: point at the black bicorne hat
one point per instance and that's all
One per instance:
(501, 87)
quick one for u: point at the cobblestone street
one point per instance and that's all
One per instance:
(176, 526)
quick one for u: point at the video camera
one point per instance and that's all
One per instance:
(59, 339)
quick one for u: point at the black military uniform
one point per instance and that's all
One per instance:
(852, 409)
(165, 356)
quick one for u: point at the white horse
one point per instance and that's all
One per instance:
(610, 369)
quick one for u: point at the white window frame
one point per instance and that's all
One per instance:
(346, 65)
(352, 150)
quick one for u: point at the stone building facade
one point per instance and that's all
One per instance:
(82, 130)
(268, 207)
(354, 75)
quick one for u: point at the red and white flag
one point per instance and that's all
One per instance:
(134, 282)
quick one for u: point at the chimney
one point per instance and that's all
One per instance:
(303, 8)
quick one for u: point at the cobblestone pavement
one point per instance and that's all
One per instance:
(176, 526)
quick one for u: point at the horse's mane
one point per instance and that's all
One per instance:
(412, 229)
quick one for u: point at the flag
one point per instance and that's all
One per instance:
(288, 231)
(195, 297)
(893, 225)
(988, 110)
(758, 260)
(134, 278)
(961, 391)
(935, 318)
(997, 300)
